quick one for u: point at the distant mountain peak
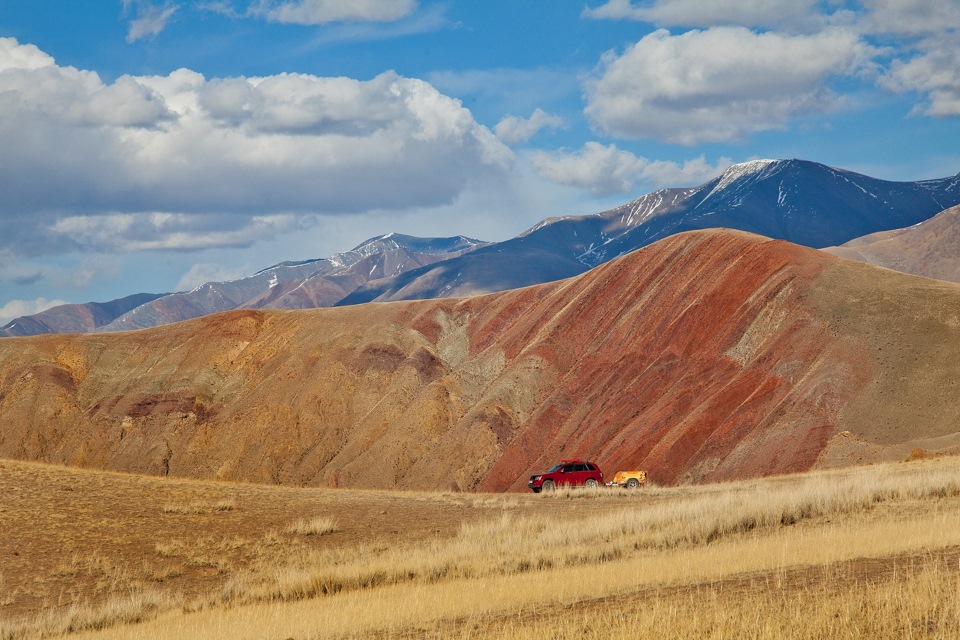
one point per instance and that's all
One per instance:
(750, 167)
(738, 175)
(394, 241)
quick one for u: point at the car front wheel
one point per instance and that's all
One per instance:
(548, 485)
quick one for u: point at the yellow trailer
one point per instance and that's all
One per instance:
(628, 479)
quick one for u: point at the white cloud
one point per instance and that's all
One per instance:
(928, 62)
(123, 233)
(909, 17)
(719, 84)
(697, 13)
(605, 170)
(205, 272)
(223, 159)
(17, 308)
(150, 19)
(314, 12)
(935, 73)
(14, 55)
(514, 129)
(915, 40)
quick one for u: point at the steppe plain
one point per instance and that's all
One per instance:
(870, 552)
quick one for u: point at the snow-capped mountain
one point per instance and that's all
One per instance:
(299, 285)
(288, 285)
(800, 201)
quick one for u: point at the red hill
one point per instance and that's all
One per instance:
(708, 355)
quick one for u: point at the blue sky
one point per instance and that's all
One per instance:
(153, 145)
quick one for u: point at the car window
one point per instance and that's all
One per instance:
(555, 468)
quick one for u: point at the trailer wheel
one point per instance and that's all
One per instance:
(633, 483)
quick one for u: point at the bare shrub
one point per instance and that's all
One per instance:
(317, 526)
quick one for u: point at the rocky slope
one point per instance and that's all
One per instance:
(930, 248)
(706, 356)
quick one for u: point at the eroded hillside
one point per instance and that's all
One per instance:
(708, 355)
(930, 248)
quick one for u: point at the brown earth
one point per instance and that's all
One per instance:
(80, 536)
(709, 355)
(930, 249)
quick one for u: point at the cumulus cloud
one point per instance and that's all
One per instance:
(150, 19)
(18, 308)
(909, 17)
(605, 170)
(914, 44)
(696, 13)
(121, 233)
(314, 12)
(27, 57)
(719, 84)
(220, 159)
(935, 73)
(929, 62)
(513, 129)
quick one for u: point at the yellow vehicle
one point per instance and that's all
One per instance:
(628, 479)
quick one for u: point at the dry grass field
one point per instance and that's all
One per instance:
(870, 552)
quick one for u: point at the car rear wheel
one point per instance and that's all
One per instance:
(591, 483)
(633, 483)
(548, 485)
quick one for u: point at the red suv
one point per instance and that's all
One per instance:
(574, 473)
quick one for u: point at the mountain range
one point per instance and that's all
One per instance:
(800, 201)
(288, 285)
(708, 355)
(796, 200)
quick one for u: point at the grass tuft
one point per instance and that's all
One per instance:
(317, 526)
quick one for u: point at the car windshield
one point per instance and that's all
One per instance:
(555, 468)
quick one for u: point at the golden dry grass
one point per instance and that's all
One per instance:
(316, 526)
(875, 547)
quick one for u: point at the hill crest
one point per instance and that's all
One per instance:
(707, 356)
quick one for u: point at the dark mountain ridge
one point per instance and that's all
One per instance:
(795, 200)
